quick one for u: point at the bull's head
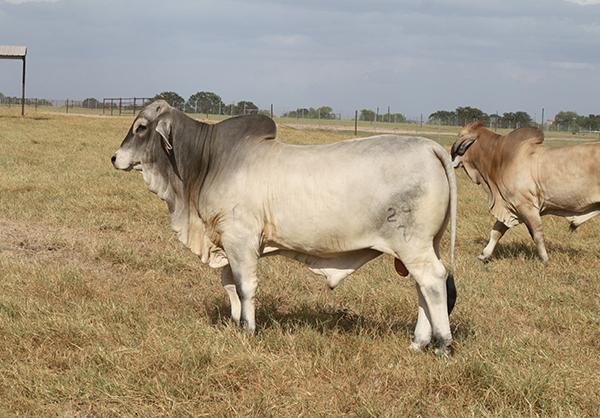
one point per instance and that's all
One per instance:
(150, 132)
(467, 136)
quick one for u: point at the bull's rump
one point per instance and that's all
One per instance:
(569, 177)
(375, 192)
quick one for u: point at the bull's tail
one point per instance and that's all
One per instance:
(447, 163)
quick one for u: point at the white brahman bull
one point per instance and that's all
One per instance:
(235, 194)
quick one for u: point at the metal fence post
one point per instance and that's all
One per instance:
(355, 122)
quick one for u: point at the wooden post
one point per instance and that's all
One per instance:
(120, 105)
(23, 91)
(67, 102)
(355, 122)
(271, 110)
(134, 99)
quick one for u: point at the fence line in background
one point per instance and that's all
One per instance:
(118, 106)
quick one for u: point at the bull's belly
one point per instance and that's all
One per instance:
(322, 245)
(573, 206)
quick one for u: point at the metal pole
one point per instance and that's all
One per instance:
(134, 99)
(542, 118)
(120, 105)
(67, 105)
(389, 119)
(421, 120)
(377, 114)
(355, 122)
(271, 110)
(23, 90)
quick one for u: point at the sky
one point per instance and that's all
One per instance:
(415, 56)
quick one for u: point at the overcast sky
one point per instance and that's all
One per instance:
(416, 56)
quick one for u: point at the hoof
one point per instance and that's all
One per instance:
(443, 352)
(483, 258)
(573, 227)
(417, 347)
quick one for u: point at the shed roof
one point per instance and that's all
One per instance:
(12, 51)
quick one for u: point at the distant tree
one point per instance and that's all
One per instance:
(367, 115)
(522, 119)
(205, 102)
(495, 120)
(1, 96)
(469, 114)
(325, 112)
(172, 98)
(241, 108)
(566, 120)
(392, 117)
(246, 107)
(508, 120)
(443, 117)
(90, 103)
(591, 122)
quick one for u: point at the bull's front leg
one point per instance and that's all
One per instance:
(229, 285)
(531, 218)
(497, 232)
(243, 262)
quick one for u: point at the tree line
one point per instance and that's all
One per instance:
(369, 115)
(571, 121)
(207, 102)
(464, 115)
(563, 121)
(323, 112)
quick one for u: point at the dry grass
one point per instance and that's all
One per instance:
(102, 312)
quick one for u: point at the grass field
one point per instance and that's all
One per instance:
(104, 313)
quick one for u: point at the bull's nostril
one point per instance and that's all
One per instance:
(113, 159)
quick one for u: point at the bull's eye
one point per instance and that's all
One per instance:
(140, 129)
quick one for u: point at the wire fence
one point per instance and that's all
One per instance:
(128, 106)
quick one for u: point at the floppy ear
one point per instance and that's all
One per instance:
(163, 127)
(461, 146)
(464, 146)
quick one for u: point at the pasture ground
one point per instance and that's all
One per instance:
(104, 313)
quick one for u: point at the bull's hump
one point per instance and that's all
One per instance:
(256, 126)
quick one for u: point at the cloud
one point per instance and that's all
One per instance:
(30, 1)
(584, 2)
(566, 65)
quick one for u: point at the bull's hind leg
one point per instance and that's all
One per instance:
(497, 232)
(430, 275)
(576, 221)
(234, 301)
(423, 331)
